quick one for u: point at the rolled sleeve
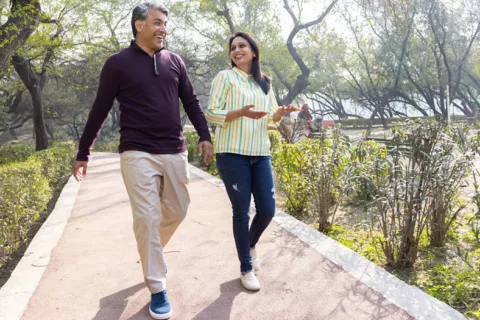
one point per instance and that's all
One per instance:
(216, 112)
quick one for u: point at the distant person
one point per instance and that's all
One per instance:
(305, 116)
(241, 104)
(147, 80)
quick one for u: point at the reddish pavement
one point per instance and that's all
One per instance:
(94, 272)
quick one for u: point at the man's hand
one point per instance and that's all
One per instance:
(80, 170)
(207, 148)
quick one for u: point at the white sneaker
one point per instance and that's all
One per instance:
(255, 260)
(250, 281)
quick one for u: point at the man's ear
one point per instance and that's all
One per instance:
(139, 25)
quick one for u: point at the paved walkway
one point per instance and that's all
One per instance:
(94, 270)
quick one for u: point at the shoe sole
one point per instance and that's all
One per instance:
(163, 316)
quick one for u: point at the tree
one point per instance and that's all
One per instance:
(23, 19)
(444, 37)
(281, 57)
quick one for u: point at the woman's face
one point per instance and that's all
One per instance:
(241, 52)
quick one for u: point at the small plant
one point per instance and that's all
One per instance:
(474, 221)
(370, 160)
(329, 174)
(424, 175)
(191, 141)
(291, 165)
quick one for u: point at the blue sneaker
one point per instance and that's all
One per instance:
(160, 306)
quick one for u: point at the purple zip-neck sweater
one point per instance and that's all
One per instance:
(148, 90)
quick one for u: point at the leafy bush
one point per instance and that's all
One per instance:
(56, 161)
(24, 194)
(370, 160)
(25, 190)
(329, 174)
(456, 286)
(420, 191)
(11, 152)
(291, 166)
(191, 140)
(275, 140)
(106, 146)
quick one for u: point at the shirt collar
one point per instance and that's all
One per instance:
(135, 46)
(242, 74)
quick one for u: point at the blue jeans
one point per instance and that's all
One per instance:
(244, 176)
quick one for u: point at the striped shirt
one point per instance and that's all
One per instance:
(231, 90)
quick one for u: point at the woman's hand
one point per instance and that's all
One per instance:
(281, 111)
(252, 114)
(245, 112)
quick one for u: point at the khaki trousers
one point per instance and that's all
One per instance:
(157, 188)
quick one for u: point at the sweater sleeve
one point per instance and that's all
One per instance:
(106, 93)
(191, 104)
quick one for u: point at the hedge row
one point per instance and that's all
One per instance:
(26, 188)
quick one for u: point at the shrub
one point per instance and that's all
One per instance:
(454, 285)
(11, 152)
(56, 161)
(106, 146)
(420, 190)
(25, 190)
(191, 140)
(291, 166)
(370, 159)
(24, 194)
(275, 140)
(329, 174)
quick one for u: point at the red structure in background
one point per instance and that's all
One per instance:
(327, 123)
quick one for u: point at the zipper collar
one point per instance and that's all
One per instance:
(136, 47)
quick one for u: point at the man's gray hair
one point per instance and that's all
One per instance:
(140, 12)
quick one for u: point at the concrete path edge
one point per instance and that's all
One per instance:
(413, 300)
(17, 291)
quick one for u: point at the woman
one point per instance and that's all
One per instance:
(241, 105)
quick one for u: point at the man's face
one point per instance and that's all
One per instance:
(153, 31)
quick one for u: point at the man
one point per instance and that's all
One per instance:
(147, 81)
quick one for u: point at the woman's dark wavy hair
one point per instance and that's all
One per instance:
(260, 78)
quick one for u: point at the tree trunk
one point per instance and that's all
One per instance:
(22, 22)
(31, 81)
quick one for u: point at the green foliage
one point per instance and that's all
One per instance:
(56, 161)
(275, 140)
(357, 240)
(291, 166)
(10, 152)
(313, 175)
(425, 172)
(25, 190)
(24, 194)
(457, 285)
(191, 139)
(370, 160)
(106, 146)
(329, 174)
